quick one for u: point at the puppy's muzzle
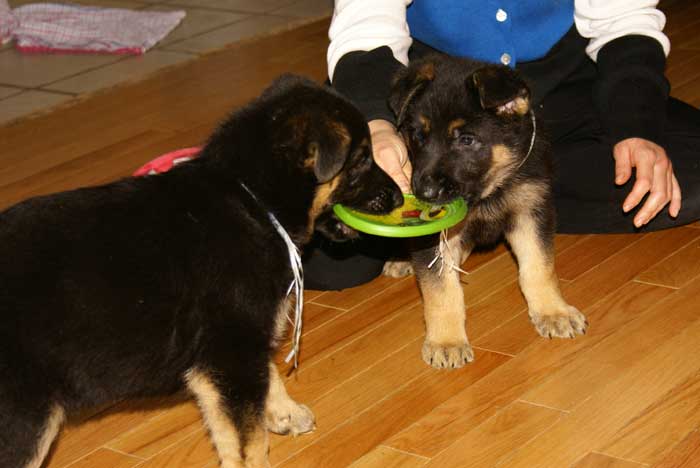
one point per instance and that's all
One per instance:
(435, 189)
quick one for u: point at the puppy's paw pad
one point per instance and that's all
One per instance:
(562, 324)
(292, 418)
(447, 356)
(397, 268)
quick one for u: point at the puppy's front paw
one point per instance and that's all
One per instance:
(397, 268)
(290, 418)
(447, 356)
(565, 323)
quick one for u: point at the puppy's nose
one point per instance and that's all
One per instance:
(428, 188)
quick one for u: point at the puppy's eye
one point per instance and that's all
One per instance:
(466, 140)
(418, 136)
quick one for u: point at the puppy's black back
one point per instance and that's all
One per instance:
(109, 283)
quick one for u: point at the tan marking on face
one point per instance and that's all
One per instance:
(426, 72)
(425, 123)
(522, 105)
(341, 137)
(503, 162)
(454, 125)
(341, 132)
(321, 200)
(313, 153)
(300, 125)
(53, 424)
(519, 105)
(224, 434)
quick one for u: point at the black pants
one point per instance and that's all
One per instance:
(587, 199)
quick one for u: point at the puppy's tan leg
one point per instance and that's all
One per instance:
(245, 446)
(548, 310)
(53, 425)
(397, 268)
(446, 344)
(284, 415)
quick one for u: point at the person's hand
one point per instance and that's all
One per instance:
(654, 175)
(390, 153)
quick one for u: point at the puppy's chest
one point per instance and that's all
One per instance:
(485, 224)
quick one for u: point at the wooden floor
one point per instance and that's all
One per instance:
(626, 395)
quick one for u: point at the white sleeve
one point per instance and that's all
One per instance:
(366, 25)
(605, 20)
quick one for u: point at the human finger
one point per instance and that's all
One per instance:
(644, 178)
(676, 197)
(623, 163)
(659, 195)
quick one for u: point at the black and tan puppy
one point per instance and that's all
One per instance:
(471, 133)
(148, 285)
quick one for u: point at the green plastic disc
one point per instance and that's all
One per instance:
(414, 218)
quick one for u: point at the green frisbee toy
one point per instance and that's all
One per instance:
(414, 218)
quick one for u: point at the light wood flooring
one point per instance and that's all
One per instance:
(626, 395)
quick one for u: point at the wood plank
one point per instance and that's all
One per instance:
(152, 436)
(105, 458)
(619, 349)
(195, 451)
(675, 271)
(685, 454)
(316, 316)
(352, 396)
(595, 284)
(385, 457)
(610, 408)
(489, 277)
(351, 325)
(76, 441)
(490, 442)
(91, 168)
(589, 252)
(651, 436)
(597, 460)
(311, 294)
(315, 379)
(452, 419)
(352, 297)
(412, 400)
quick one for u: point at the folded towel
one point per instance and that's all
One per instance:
(50, 27)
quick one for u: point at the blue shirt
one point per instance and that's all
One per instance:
(502, 31)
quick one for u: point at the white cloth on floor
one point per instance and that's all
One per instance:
(50, 27)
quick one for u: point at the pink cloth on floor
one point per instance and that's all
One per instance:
(50, 27)
(166, 162)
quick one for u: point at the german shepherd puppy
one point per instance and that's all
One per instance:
(471, 133)
(149, 285)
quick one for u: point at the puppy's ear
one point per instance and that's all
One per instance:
(501, 89)
(408, 84)
(328, 152)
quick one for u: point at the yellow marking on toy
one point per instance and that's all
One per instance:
(413, 212)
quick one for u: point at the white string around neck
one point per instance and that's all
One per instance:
(297, 284)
